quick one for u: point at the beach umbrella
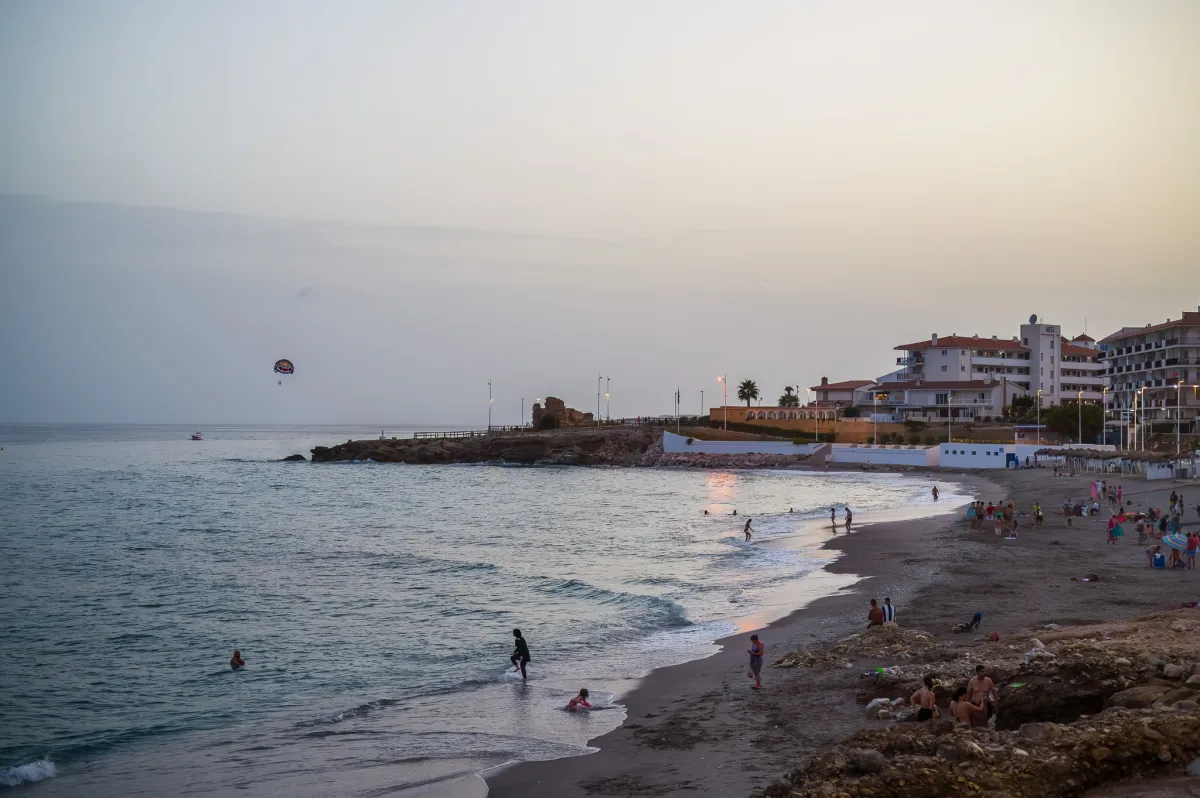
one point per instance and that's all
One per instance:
(1177, 542)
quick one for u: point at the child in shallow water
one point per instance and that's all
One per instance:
(579, 700)
(961, 708)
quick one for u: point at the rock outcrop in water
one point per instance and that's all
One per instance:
(620, 446)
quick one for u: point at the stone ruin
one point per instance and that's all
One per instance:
(563, 416)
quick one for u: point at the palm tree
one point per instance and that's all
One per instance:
(748, 390)
(789, 397)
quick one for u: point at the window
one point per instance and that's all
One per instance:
(943, 351)
(962, 351)
(761, 414)
(1043, 355)
(943, 368)
(771, 414)
(962, 368)
(972, 451)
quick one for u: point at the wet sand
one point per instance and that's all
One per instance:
(698, 728)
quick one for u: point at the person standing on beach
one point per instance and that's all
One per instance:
(935, 493)
(520, 657)
(889, 610)
(746, 529)
(925, 700)
(982, 692)
(849, 517)
(756, 651)
(875, 614)
(833, 514)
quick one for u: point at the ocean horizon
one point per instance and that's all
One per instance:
(373, 603)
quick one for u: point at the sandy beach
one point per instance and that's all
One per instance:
(698, 728)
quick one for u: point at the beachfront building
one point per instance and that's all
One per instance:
(1039, 359)
(838, 394)
(1160, 365)
(931, 399)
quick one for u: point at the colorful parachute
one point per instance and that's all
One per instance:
(284, 367)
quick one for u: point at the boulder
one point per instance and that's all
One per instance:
(1172, 671)
(866, 760)
(295, 458)
(1139, 697)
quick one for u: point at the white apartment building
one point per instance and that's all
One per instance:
(1040, 358)
(1161, 364)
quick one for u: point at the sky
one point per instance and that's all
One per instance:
(412, 199)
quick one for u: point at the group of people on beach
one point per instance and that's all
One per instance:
(1003, 515)
(972, 705)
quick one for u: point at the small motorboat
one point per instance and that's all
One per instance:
(197, 436)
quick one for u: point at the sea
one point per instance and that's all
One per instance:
(373, 603)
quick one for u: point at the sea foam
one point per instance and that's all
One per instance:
(28, 773)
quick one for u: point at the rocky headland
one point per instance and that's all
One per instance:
(613, 446)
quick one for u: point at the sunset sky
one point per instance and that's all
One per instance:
(408, 199)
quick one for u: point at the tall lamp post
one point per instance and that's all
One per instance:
(875, 418)
(1104, 413)
(701, 403)
(725, 402)
(1039, 417)
(598, 378)
(607, 397)
(522, 412)
(1178, 406)
(489, 405)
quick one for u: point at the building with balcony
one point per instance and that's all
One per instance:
(925, 399)
(1039, 359)
(1160, 365)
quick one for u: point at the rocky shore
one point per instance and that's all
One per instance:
(638, 446)
(1079, 707)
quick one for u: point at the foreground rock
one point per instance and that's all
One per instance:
(936, 759)
(294, 458)
(1079, 707)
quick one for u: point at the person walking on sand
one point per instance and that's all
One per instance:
(756, 651)
(935, 493)
(520, 657)
(982, 691)
(746, 529)
(925, 700)
(849, 517)
(874, 614)
(1193, 542)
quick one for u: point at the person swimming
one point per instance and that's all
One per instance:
(577, 701)
(236, 660)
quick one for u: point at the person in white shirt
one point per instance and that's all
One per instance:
(889, 610)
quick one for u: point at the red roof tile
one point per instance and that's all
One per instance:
(845, 385)
(1084, 337)
(1080, 351)
(963, 342)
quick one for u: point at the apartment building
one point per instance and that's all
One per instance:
(1160, 363)
(1039, 359)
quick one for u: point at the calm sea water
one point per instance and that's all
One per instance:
(373, 603)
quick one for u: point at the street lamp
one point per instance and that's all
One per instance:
(1178, 393)
(598, 378)
(522, 412)
(489, 405)
(702, 403)
(875, 418)
(607, 396)
(1039, 417)
(1104, 412)
(725, 402)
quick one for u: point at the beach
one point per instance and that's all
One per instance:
(697, 728)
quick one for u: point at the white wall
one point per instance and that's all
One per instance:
(973, 455)
(678, 444)
(1159, 471)
(884, 455)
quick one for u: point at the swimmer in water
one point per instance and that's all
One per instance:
(735, 512)
(236, 660)
(706, 512)
(747, 529)
(581, 699)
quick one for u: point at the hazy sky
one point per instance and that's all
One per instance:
(410, 198)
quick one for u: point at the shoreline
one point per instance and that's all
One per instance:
(616, 768)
